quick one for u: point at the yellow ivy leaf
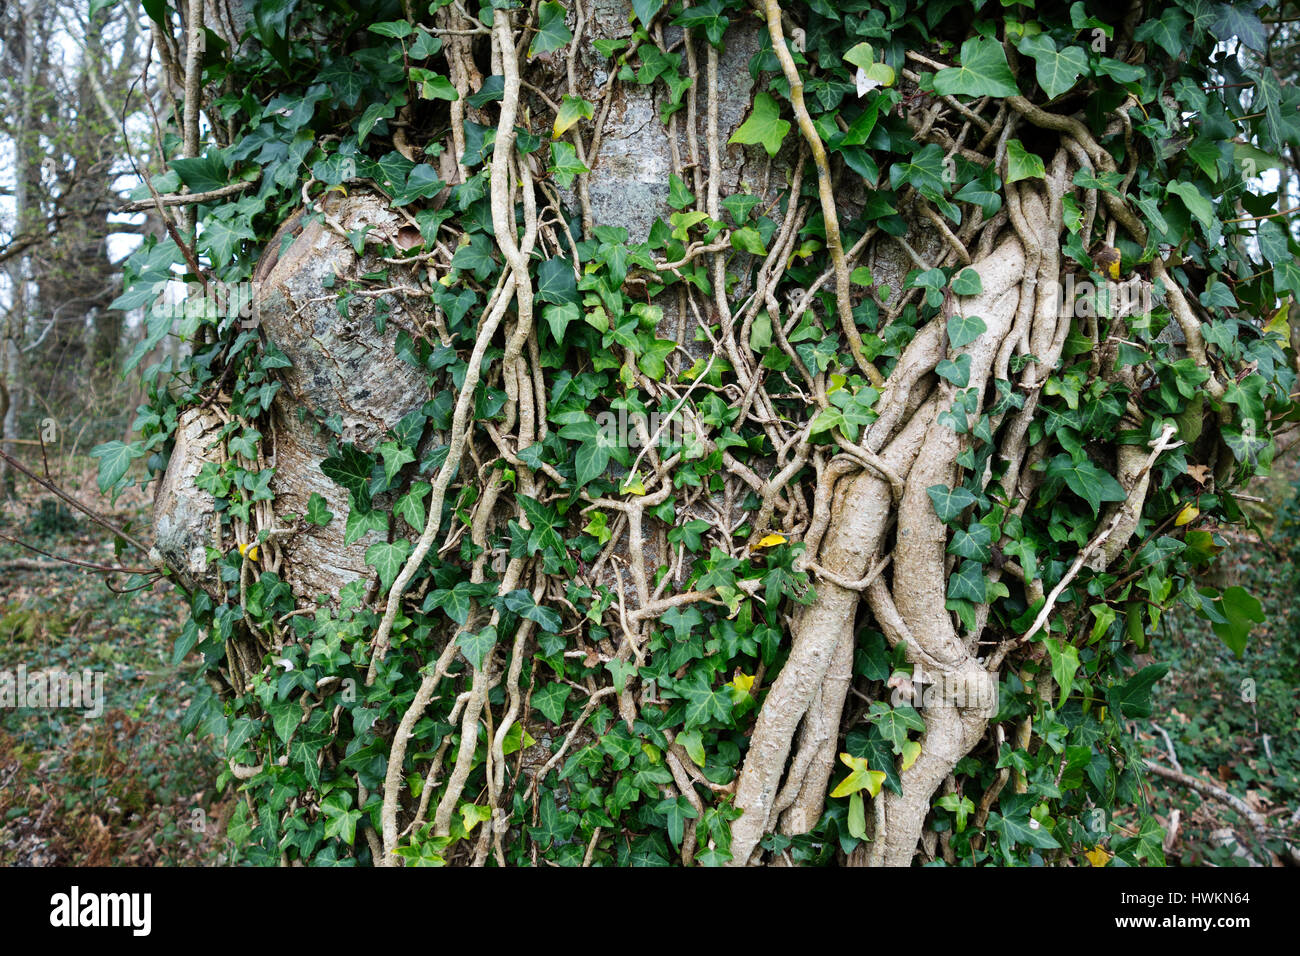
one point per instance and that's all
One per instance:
(633, 485)
(860, 779)
(1279, 324)
(769, 541)
(472, 815)
(1108, 260)
(1097, 856)
(249, 551)
(740, 685)
(911, 750)
(1187, 515)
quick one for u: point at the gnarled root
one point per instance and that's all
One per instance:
(809, 692)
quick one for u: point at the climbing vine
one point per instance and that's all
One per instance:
(831, 517)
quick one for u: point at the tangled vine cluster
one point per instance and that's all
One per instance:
(879, 444)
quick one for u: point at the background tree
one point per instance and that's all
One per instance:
(648, 411)
(67, 69)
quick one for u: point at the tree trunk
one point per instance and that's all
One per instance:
(871, 511)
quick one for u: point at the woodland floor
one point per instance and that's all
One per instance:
(128, 789)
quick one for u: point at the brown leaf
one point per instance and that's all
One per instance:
(408, 237)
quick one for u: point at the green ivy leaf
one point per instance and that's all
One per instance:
(552, 34)
(1195, 201)
(1057, 71)
(1065, 664)
(1022, 164)
(571, 110)
(965, 329)
(647, 10)
(763, 126)
(967, 282)
(894, 722)
(703, 702)
(708, 16)
(983, 71)
(949, 503)
(1133, 698)
(1242, 611)
(968, 583)
(956, 370)
(677, 810)
(555, 281)
(387, 559)
(317, 511)
(1086, 480)
(115, 458)
(550, 701)
(476, 646)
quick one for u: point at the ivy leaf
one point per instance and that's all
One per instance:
(433, 85)
(949, 503)
(550, 701)
(1022, 832)
(361, 521)
(763, 126)
(1057, 72)
(956, 370)
(387, 559)
(1022, 164)
(748, 240)
(689, 533)
(115, 458)
(894, 722)
(964, 329)
(968, 583)
(975, 542)
(317, 512)
(859, 778)
(1168, 32)
(678, 810)
(983, 71)
(476, 257)
(520, 601)
(923, 170)
(679, 195)
(476, 646)
(395, 455)
(393, 28)
(1241, 610)
(740, 205)
(652, 360)
(967, 282)
(220, 238)
(703, 702)
(551, 30)
(1065, 664)
(558, 318)
(1133, 698)
(571, 110)
(454, 602)
(1086, 480)
(646, 10)
(708, 16)
(351, 469)
(555, 281)
(1196, 203)
(410, 507)
(591, 460)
